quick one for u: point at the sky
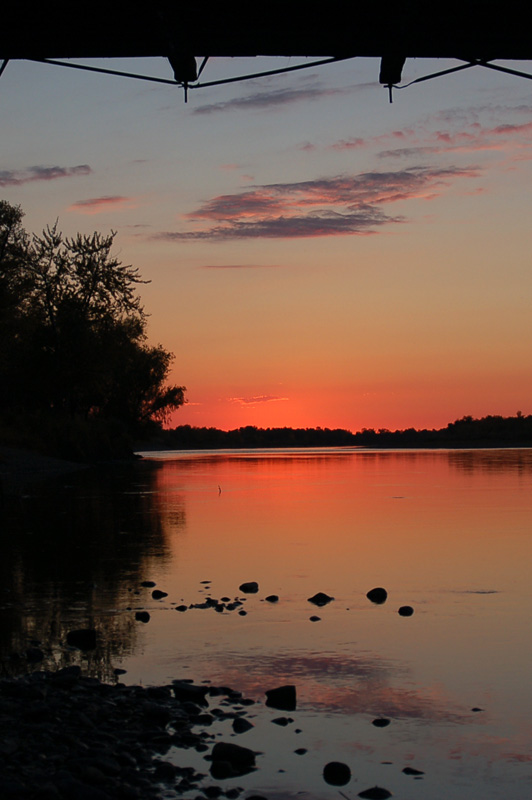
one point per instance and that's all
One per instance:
(317, 256)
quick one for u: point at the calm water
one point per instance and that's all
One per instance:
(448, 533)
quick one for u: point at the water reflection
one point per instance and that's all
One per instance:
(445, 532)
(74, 554)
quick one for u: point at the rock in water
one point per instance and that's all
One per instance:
(336, 774)
(189, 691)
(251, 587)
(381, 722)
(229, 760)
(157, 594)
(84, 638)
(142, 616)
(406, 611)
(375, 793)
(320, 599)
(241, 725)
(283, 698)
(378, 595)
(272, 598)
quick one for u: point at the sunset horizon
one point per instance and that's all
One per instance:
(316, 256)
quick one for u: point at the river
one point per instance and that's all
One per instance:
(446, 533)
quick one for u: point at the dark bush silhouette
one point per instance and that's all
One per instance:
(73, 333)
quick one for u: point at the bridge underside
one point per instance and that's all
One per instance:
(472, 30)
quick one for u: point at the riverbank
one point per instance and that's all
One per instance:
(20, 467)
(64, 736)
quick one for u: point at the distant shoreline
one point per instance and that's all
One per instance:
(491, 431)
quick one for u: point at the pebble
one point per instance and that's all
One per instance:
(405, 611)
(336, 774)
(251, 587)
(320, 599)
(95, 741)
(283, 698)
(377, 595)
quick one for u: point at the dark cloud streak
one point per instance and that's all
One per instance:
(273, 99)
(40, 173)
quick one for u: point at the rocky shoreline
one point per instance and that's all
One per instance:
(64, 736)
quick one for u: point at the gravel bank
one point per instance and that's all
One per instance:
(68, 737)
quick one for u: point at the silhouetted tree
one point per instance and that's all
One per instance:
(73, 329)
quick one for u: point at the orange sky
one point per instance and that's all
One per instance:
(317, 256)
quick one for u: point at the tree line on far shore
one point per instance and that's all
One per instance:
(77, 376)
(490, 431)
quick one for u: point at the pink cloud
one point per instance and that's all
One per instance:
(342, 205)
(97, 205)
(261, 398)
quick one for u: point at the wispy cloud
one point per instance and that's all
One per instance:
(276, 98)
(96, 205)
(252, 401)
(10, 177)
(238, 266)
(451, 131)
(337, 206)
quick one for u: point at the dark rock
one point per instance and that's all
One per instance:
(477, 709)
(181, 608)
(235, 754)
(84, 639)
(378, 595)
(241, 725)
(67, 677)
(188, 691)
(156, 714)
(34, 655)
(282, 721)
(157, 594)
(142, 616)
(242, 613)
(148, 584)
(405, 611)
(381, 722)
(320, 599)
(272, 598)
(251, 587)
(315, 619)
(336, 774)
(283, 698)
(165, 772)
(212, 791)
(231, 760)
(375, 793)
(412, 771)
(301, 751)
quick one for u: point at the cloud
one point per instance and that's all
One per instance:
(238, 266)
(96, 205)
(337, 206)
(407, 152)
(252, 401)
(271, 99)
(40, 173)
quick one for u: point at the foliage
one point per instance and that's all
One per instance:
(73, 331)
